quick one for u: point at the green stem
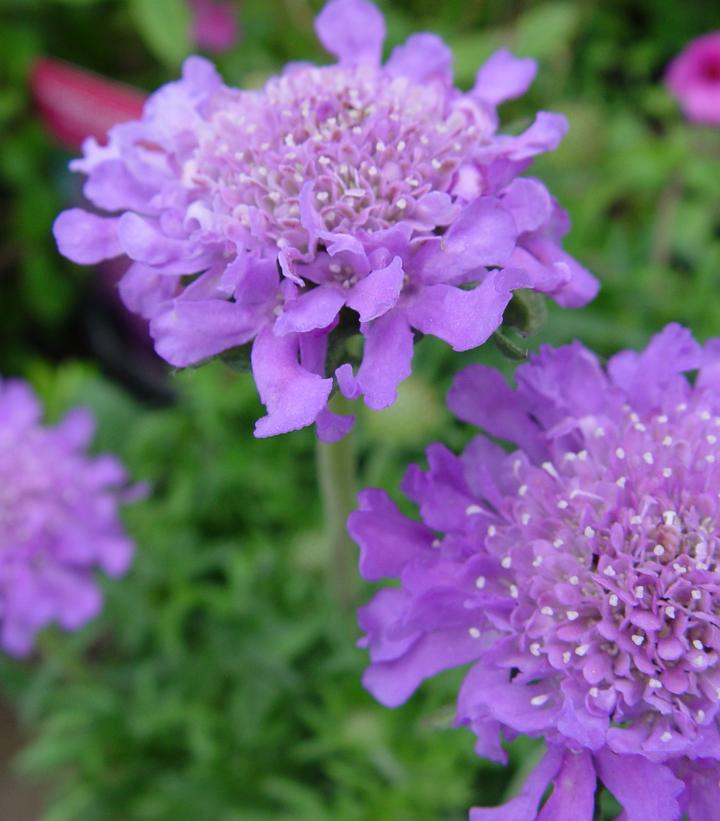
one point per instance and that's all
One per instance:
(598, 814)
(336, 466)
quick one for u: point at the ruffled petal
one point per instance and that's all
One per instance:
(378, 292)
(573, 794)
(654, 377)
(646, 789)
(464, 319)
(352, 30)
(386, 359)
(86, 238)
(423, 58)
(524, 806)
(504, 77)
(393, 682)
(190, 331)
(387, 539)
(331, 427)
(315, 309)
(484, 234)
(529, 202)
(481, 396)
(292, 395)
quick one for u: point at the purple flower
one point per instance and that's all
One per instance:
(693, 78)
(58, 520)
(350, 198)
(578, 574)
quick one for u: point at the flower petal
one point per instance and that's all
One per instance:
(524, 806)
(387, 539)
(386, 359)
(86, 238)
(190, 331)
(292, 395)
(423, 58)
(484, 234)
(464, 319)
(573, 794)
(315, 309)
(504, 77)
(352, 30)
(646, 789)
(378, 292)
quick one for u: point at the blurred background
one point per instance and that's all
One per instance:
(220, 682)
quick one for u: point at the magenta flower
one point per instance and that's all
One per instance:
(578, 575)
(693, 78)
(58, 520)
(351, 198)
(214, 24)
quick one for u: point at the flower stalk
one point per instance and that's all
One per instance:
(337, 480)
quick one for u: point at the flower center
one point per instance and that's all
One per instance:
(617, 547)
(372, 145)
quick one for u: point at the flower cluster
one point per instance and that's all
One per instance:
(58, 520)
(351, 198)
(694, 79)
(578, 574)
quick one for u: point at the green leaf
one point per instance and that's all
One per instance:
(164, 26)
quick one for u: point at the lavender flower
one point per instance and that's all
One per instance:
(693, 78)
(58, 520)
(356, 197)
(578, 574)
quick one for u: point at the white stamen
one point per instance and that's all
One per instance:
(572, 615)
(698, 645)
(538, 701)
(471, 510)
(667, 472)
(474, 633)
(637, 639)
(655, 683)
(562, 504)
(593, 692)
(589, 532)
(658, 550)
(506, 562)
(566, 656)
(648, 457)
(514, 592)
(522, 490)
(550, 468)
(492, 530)
(666, 736)
(535, 648)
(480, 582)
(581, 649)
(613, 599)
(696, 594)
(609, 571)
(621, 481)
(667, 441)
(620, 453)
(639, 591)
(547, 611)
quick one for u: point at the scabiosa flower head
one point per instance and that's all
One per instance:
(579, 574)
(58, 520)
(355, 197)
(693, 78)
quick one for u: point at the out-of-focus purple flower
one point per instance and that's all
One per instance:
(214, 25)
(578, 575)
(351, 198)
(693, 78)
(59, 520)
